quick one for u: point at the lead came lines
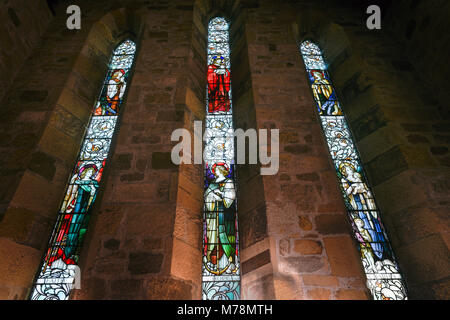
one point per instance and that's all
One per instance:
(383, 278)
(221, 267)
(57, 273)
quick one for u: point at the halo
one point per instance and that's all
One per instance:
(346, 163)
(118, 70)
(87, 166)
(317, 71)
(223, 164)
(218, 57)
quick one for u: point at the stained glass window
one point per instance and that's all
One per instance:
(383, 277)
(57, 271)
(221, 268)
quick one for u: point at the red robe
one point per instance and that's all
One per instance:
(112, 102)
(218, 90)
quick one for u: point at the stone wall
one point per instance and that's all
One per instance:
(420, 31)
(144, 240)
(308, 244)
(142, 233)
(23, 24)
(395, 119)
(45, 111)
(421, 27)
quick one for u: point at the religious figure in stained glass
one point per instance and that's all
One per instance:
(218, 86)
(57, 273)
(220, 221)
(362, 201)
(82, 188)
(383, 277)
(221, 268)
(324, 94)
(113, 93)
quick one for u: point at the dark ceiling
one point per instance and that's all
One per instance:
(354, 4)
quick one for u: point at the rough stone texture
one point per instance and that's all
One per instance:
(162, 289)
(343, 294)
(262, 289)
(331, 224)
(319, 294)
(17, 271)
(321, 281)
(23, 24)
(341, 256)
(144, 239)
(143, 262)
(255, 262)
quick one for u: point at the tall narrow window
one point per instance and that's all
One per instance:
(383, 278)
(221, 269)
(57, 272)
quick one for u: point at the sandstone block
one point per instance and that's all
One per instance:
(331, 224)
(20, 266)
(307, 247)
(349, 294)
(342, 256)
(144, 262)
(319, 294)
(320, 280)
(168, 289)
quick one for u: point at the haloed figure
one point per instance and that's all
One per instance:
(65, 246)
(82, 190)
(114, 92)
(220, 239)
(218, 86)
(362, 201)
(80, 195)
(324, 94)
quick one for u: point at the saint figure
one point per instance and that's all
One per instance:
(324, 94)
(218, 86)
(114, 92)
(79, 197)
(220, 222)
(362, 201)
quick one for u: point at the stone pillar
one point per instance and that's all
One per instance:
(309, 245)
(141, 237)
(23, 24)
(399, 128)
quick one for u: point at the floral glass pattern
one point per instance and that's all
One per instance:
(221, 267)
(57, 271)
(382, 272)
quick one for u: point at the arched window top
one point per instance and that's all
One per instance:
(57, 274)
(126, 47)
(221, 266)
(309, 47)
(218, 41)
(218, 24)
(123, 55)
(312, 55)
(382, 272)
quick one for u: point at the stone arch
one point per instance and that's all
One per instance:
(50, 116)
(107, 32)
(313, 25)
(251, 208)
(142, 246)
(305, 214)
(372, 91)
